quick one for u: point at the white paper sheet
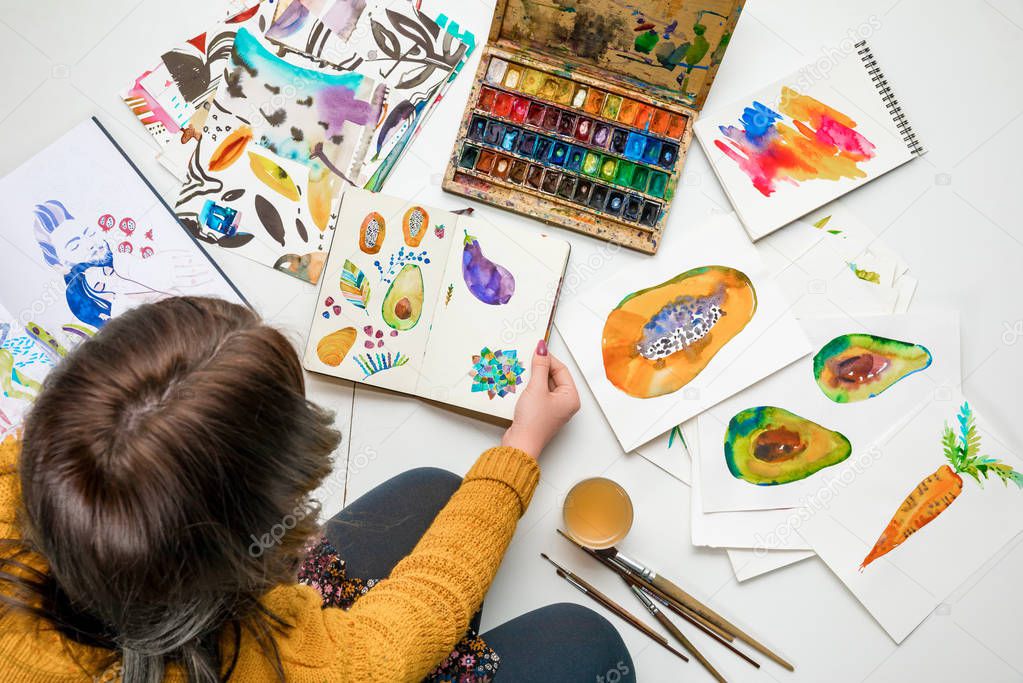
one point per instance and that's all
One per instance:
(843, 522)
(794, 389)
(760, 530)
(670, 453)
(749, 564)
(769, 342)
(856, 109)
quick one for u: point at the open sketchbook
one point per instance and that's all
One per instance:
(85, 238)
(426, 302)
(809, 138)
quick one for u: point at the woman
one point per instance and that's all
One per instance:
(159, 450)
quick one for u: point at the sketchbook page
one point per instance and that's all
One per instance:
(662, 341)
(749, 564)
(778, 441)
(670, 453)
(279, 146)
(761, 530)
(500, 288)
(24, 364)
(88, 239)
(794, 145)
(905, 482)
(388, 40)
(377, 302)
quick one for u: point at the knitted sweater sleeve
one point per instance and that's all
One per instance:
(10, 491)
(407, 624)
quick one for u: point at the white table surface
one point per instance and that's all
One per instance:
(954, 216)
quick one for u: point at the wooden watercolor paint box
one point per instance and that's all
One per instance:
(582, 111)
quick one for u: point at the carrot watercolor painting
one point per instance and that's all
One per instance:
(938, 491)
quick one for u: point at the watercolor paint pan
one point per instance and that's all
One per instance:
(574, 160)
(638, 148)
(571, 187)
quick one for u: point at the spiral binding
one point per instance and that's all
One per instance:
(888, 98)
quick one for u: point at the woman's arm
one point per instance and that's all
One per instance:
(404, 626)
(10, 491)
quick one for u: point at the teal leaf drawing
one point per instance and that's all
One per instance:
(355, 286)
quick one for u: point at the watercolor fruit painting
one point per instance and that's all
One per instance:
(403, 303)
(372, 233)
(489, 282)
(333, 348)
(768, 446)
(855, 367)
(658, 339)
(414, 225)
(938, 491)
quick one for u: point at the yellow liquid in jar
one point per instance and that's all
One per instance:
(597, 513)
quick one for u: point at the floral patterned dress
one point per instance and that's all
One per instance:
(472, 660)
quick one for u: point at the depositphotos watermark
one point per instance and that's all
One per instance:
(614, 675)
(819, 501)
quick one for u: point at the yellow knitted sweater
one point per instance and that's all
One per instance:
(399, 631)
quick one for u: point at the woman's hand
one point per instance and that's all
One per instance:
(549, 401)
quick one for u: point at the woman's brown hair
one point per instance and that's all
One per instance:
(154, 456)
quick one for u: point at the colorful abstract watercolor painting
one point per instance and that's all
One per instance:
(804, 140)
(171, 99)
(936, 493)
(790, 147)
(391, 41)
(498, 373)
(24, 364)
(659, 339)
(274, 157)
(857, 367)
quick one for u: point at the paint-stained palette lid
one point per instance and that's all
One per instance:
(675, 46)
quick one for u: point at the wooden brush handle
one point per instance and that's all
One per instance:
(689, 602)
(669, 625)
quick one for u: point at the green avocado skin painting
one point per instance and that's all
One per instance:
(768, 446)
(857, 367)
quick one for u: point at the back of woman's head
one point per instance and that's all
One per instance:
(156, 457)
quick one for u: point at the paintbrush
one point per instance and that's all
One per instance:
(629, 577)
(613, 607)
(676, 634)
(676, 594)
(632, 580)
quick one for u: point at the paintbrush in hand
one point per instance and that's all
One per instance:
(613, 607)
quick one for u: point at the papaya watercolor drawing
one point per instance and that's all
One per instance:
(938, 491)
(658, 339)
